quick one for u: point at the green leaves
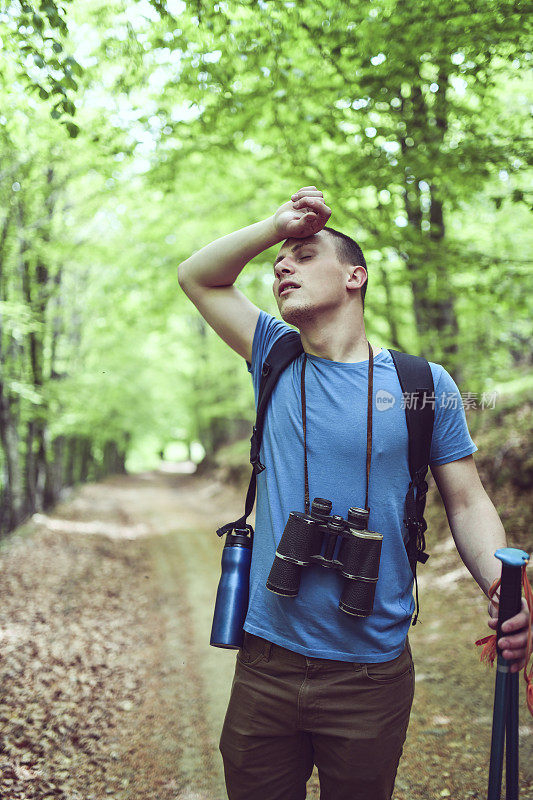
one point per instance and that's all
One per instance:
(41, 36)
(71, 64)
(73, 129)
(37, 21)
(201, 123)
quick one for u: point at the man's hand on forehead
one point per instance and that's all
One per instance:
(304, 215)
(307, 191)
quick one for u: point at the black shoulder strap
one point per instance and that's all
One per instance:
(283, 351)
(416, 381)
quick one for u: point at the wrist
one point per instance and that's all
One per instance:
(273, 236)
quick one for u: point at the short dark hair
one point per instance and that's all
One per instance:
(349, 252)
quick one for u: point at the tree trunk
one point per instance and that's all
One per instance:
(53, 470)
(443, 310)
(84, 458)
(121, 462)
(200, 411)
(30, 468)
(109, 457)
(36, 290)
(390, 309)
(12, 510)
(425, 256)
(415, 267)
(70, 462)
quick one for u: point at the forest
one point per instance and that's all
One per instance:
(134, 133)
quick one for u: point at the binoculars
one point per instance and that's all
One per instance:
(313, 538)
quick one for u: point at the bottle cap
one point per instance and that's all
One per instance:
(240, 537)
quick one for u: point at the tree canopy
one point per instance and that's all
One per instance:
(134, 132)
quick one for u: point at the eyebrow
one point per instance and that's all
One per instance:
(294, 249)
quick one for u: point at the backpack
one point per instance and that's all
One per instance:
(416, 380)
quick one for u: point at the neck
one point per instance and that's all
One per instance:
(337, 337)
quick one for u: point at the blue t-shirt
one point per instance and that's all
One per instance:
(336, 409)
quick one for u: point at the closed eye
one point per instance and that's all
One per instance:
(300, 258)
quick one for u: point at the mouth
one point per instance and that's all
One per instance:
(287, 286)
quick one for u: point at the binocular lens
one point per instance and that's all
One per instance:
(360, 555)
(361, 551)
(300, 540)
(357, 597)
(284, 578)
(321, 509)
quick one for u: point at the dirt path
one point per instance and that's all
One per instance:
(110, 690)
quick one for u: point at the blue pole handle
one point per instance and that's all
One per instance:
(512, 556)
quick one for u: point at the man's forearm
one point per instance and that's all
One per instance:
(478, 532)
(219, 263)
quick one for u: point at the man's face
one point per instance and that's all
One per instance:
(308, 278)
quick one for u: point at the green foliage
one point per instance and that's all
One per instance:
(32, 36)
(399, 112)
(195, 119)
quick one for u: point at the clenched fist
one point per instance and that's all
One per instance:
(304, 215)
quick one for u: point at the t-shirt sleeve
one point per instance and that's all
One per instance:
(267, 331)
(451, 438)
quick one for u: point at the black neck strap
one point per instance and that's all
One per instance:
(368, 427)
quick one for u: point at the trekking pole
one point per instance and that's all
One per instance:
(511, 741)
(505, 715)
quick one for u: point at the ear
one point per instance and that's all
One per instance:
(356, 278)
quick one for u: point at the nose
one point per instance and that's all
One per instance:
(283, 267)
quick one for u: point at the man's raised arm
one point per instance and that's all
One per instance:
(207, 277)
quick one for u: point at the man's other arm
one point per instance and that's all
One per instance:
(474, 522)
(478, 532)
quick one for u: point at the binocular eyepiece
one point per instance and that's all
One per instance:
(332, 542)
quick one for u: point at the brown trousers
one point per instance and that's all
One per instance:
(288, 712)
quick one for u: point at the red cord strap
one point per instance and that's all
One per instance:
(489, 652)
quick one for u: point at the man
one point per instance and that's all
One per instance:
(314, 685)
